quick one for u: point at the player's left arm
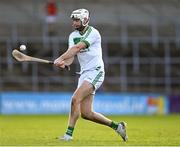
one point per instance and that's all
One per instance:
(70, 53)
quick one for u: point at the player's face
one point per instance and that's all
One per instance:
(76, 23)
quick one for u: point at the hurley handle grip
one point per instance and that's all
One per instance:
(66, 66)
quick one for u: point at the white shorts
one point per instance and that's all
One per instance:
(95, 77)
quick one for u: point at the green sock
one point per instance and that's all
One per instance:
(114, 125)
(70, 131)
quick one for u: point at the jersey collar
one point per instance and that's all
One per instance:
(84, 31)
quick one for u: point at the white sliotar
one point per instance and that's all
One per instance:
(22, 47)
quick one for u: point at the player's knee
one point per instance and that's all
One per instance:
(86, 115)
(83, 116)
(74, 102)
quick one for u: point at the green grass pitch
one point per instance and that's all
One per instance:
(42, 130)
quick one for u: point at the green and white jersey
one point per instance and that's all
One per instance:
(90, 57)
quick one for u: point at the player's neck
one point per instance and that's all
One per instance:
(83, 30)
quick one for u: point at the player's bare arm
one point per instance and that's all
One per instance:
(69, 61)
(70, 53)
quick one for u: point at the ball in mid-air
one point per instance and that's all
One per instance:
(22, 47)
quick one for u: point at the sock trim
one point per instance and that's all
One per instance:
(70, 131)
(114, 125)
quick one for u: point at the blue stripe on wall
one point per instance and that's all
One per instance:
(106, 103)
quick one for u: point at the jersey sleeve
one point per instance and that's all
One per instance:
(91, 37)
(70, 41)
